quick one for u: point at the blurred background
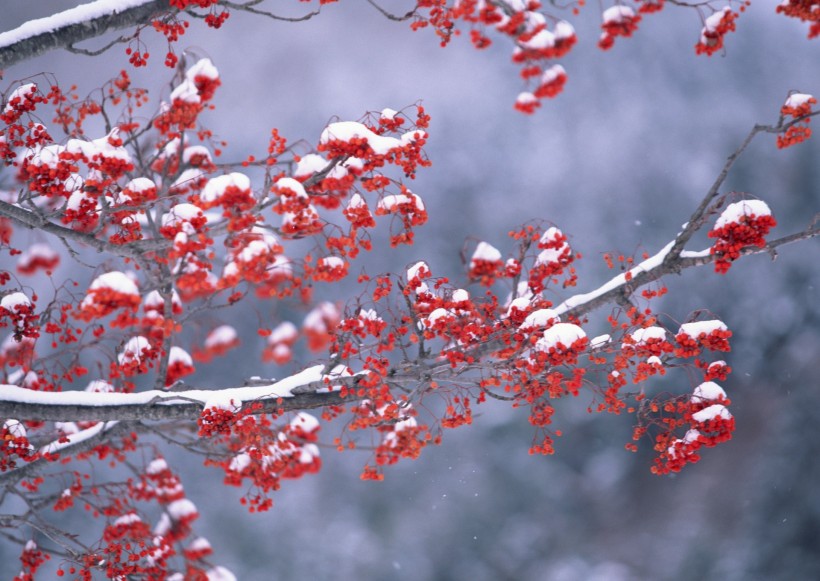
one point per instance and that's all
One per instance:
(618, 161)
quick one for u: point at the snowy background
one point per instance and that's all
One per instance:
(618, 161)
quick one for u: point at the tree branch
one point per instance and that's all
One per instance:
(249, 7)
(28, 219)
(655, 267)
(67, 28)
(696, 220)
(304, 390)
(102, 434)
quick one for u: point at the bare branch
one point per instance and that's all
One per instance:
(248, 7)
(88, 52)
(390, 15)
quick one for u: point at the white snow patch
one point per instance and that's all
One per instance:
(796, 100)
(215, 188)
(708, 391)
(20, 92)
(712, 22)
(222, 335)
(690, 436)
(181, 509)
(641, 336)
(419, 269)
(239, 462)
(564, 333)
(539, 318)
(195, 151)
(304, 421)
(348, 130)
(550, 75)
(133, 348)
(713, 411)
(204, 67)
(283, 332)
(331, 262)
(186, 92)
(618, 14)
(485, 251)
(116, 281)
(541, 40)
(220, 573)
(127, 519)
(439, 313)
(308, 453)
(525, 98)
(99, 386)
(600, 341)
(390, 202)
(68, 439)
(734, 212)
(36, 251)
(156, 466)
(699, 328)
(315, 319)
(460, 295)
(564, 29)
(293, 185)
(13, 300)
(15, 428)
(181, 213)
(180, 355)
(199, 544)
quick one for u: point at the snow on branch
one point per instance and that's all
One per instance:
(72, 444)
(304, 390)
(81, 23)
(655, 267)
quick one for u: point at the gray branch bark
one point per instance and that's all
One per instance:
(29, 219)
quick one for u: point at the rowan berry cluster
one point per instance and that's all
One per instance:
(741, 225)
(18, 310)
(798, 107)
(715, 28)
(805, 10)
(707, 421)
(261, 454)
(617, 21)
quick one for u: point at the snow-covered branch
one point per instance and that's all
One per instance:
(655, 267)
(305, 390)
(81, 23)
(73, 444)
